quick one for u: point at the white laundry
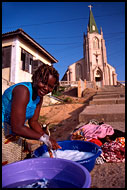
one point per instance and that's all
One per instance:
(73, 155)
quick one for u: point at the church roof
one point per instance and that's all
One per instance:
(92, 24)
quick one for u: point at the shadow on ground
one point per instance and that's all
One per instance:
(62, 130)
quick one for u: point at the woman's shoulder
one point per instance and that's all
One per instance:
(22, 93)
(22, 85)
(19, 87)
(10, 88)
(27, 84)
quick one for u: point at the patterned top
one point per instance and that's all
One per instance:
(7, 101)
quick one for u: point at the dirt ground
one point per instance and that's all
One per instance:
(64, 118)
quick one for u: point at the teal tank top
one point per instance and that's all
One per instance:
(7, 100)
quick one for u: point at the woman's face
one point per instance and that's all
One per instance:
(44, 89)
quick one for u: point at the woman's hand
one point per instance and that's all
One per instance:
(50, 142)
(55, 145)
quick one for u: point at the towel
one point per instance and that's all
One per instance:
(92, 131)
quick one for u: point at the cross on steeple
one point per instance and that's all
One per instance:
(90, 6)
(92, 27)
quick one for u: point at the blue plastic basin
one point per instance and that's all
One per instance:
(83, 146)
(60, 172)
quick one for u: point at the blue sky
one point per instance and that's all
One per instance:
(59, 28)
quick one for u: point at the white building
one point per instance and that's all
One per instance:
(21, 55)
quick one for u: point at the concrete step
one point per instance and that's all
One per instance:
(113, 87)
(110, 92)
(118, 125)
(114, 95)
(107, 101)
(106, 113)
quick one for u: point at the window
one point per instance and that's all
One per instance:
(93, 27)
(31, 60)
(78, 71)
(95, 43)
(23, 60)
(36, 64)
(6, 56)
(27, 60)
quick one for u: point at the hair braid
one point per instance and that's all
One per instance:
(42, 73)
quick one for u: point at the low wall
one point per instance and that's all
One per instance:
(47, 101)
(5, 84)
(81, 85)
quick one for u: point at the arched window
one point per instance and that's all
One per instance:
(95, 43)
(78, 71)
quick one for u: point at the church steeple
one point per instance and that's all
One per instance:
(92, 27)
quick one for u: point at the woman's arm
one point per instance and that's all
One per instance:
(18, 114)
(33, 122)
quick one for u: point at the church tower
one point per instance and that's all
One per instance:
(96, 67)
(93, 67)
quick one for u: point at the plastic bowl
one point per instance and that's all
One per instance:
(61, 173)
(84, 146)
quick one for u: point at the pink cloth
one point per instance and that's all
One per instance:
(91, 131)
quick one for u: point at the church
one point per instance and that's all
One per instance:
(93, 67)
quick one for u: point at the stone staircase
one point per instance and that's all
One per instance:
(108, 105)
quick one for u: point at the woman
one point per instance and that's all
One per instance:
(22, 102)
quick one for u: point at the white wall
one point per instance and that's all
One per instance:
(16, 74)
(15, 55)
(36, 54)
(24, 76)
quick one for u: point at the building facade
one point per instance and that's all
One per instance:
(93, 67)
(21, 55)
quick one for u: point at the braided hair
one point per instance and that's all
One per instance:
(42, 73)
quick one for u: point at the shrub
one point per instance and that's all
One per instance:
(67, 99)
(59, 91)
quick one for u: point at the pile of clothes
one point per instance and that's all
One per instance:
(40, 183)
(111, 141)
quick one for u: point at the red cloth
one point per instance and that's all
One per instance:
(113, 152)
(96, 141)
